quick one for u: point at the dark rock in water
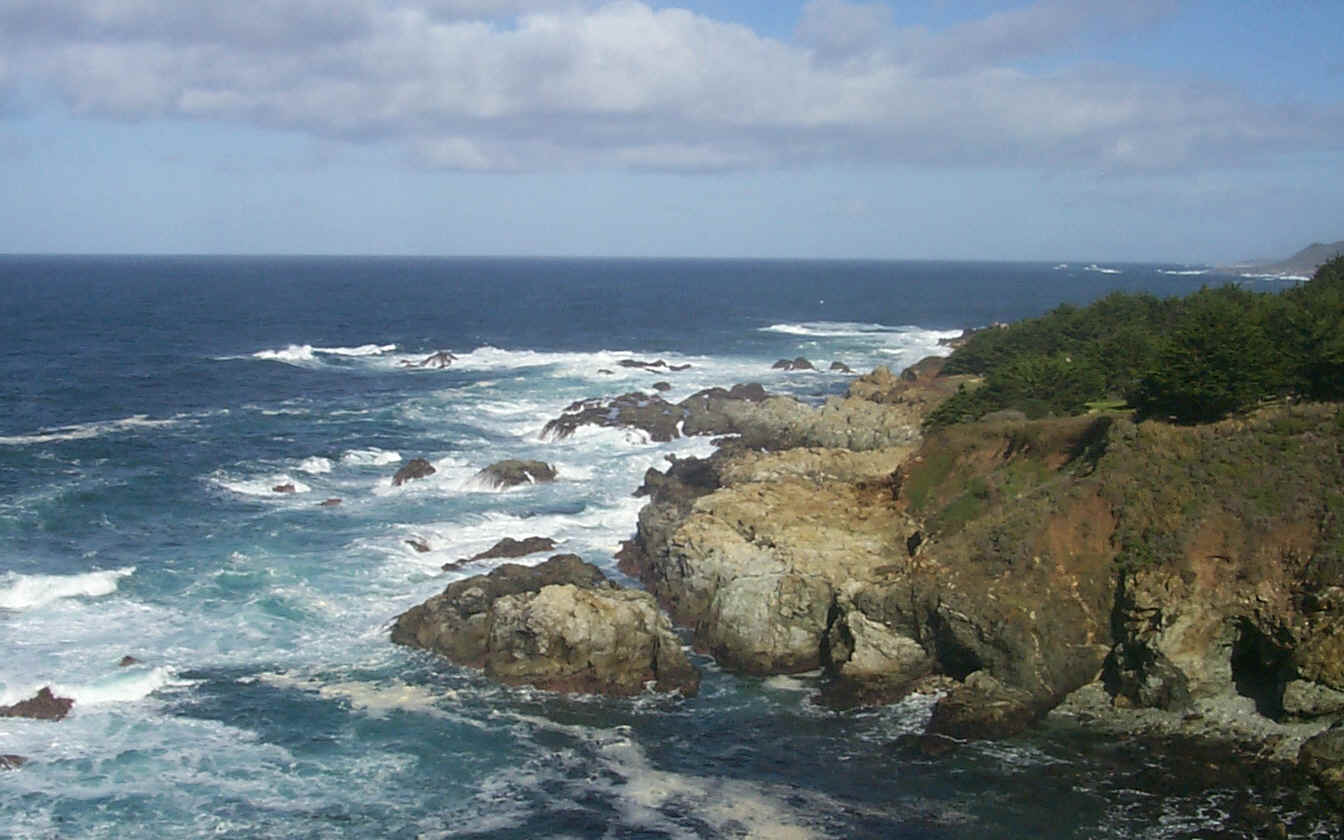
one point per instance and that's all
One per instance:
(662, 386)
(332, 502)
(982, 708)
(560, 625)
(799, 363)
(638, 363)
(43, 706)
(127, 661)
(440, 360)
(676, 368)
(653, 415)
(419, 545)
(509, 547)
(12, 762)
(841, 367)
(283, 488)
(606, 371)
(414, 468)
(512, 472)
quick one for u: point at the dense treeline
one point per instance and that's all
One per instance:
(1192, 359)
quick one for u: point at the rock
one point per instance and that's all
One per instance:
(127, 661)
(44, 706)
(283, 488)
(799, 363)
(653, 415)
(513, 472)
(661, 386)
(12, 762)
(715, 411)
(1322, 758)
(1305, 699)
(419, 545)
(871, 662)
(327, 503)
(925, 369)
(509, 547)
(440, 360)
(560, 626)
(840, 367)
(412, 469)
(982, 708)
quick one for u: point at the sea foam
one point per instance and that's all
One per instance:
(83, 431)
(25, 592)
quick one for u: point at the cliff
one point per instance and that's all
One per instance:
(1195, 574)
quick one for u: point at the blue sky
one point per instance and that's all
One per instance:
(1150, 130)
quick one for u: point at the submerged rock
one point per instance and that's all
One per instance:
(413, 469)
(512, 472)
(284, 488)
(127, 661)
(560, 625)
(43, 706)
(420, 545)
(12, 762)
(328, 503)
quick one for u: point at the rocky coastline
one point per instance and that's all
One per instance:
(1034, 573)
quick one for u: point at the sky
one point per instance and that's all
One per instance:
(1146, 130)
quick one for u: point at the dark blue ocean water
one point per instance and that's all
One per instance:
(151, 405)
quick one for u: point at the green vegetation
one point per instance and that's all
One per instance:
(1192, 360)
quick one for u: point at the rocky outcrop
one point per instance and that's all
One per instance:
(1322, 757)
(799, 363)
(439, 360)
(560, 626)
(43, 706)
(840, 367)
(413, 469)
(511, 548)
(655, 416)
(656, 365)
(512, 472)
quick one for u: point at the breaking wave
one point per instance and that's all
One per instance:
(25, 592)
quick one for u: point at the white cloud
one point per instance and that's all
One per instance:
(538, 84)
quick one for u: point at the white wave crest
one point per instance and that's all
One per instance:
(82, 431)
(128, 686)
(263, 486)
(837, 329)
(1186, 272)
(1101, 270)
(315, 465)
(299, 354)
(371, 457)
(24, 592)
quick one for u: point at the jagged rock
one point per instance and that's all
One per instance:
(420, 545)
(654, 415)
(412, 469)
(658, 365)
(283, 488)
(1305, 699)
(799, 363)
(12, 762)
(328, 503)
(1137, 675)
(440, 360)
(43, 706)
(925, 369)
(560, 625)
(714, 411)
(509, 547)
(513, 472)
(1322, 758)
(983, 708)
(841, 367)
(127, 661)
(870, 661)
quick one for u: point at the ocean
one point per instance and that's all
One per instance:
(152, 404)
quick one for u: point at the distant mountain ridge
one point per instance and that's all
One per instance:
(1304, 263)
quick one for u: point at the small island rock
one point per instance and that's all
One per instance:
(43, 706)
(414, 468)
(513, 472)
(560, 626)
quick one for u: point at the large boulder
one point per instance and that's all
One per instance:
(560, 626)
(510, 548)
(983, 708)
(43, 706)
(512, 472)
(655, 416)
(1322, 757)
(413, 469)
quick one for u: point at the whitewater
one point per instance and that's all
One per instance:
(155, 405)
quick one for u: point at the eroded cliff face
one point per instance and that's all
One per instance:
(1168, 567)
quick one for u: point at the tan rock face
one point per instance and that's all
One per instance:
(559, 625)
